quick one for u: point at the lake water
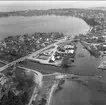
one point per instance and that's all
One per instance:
(80, 93)
(16, 25)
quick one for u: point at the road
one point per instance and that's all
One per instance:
(54, 44)
(38, 75)
(29, 56)
(34, 53)
(67, 39)
(33, 96)
(38, 79)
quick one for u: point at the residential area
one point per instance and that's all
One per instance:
(55, 54)
(45, 67)
(21, 45)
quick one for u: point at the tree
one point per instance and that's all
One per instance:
(66, 62)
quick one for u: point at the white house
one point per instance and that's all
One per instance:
(53, 58)
(69, 46)
(71, 51)
(104, 45)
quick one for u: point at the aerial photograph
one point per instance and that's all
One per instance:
(52, 52)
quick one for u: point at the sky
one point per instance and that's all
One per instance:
(24, 5)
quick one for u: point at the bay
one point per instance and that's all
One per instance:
(18, 25)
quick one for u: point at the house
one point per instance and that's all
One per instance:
(104, 45)
(48, 52)
(104, 36)
(58, 57)
(94, 37)
(37, 41)
(43, 44)
(71, 51)
(68, 46)
(47, 39)
(52, 59)
(104, 52)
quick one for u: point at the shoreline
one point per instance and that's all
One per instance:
(52, 89)
(40, 61)
(53, 64)
(31, 32)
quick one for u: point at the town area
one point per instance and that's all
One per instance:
(21, 85)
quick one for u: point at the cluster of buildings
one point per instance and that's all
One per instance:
(45, 54)
(62, 51)
(95, 18)
(67, 49)
(92, 14)
(95, 44)
(24, 44)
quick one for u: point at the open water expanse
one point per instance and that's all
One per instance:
(73, 92)
(16, 25)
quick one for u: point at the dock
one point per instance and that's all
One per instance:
(102, 65)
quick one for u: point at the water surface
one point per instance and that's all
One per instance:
(16, 25)
(80, 93)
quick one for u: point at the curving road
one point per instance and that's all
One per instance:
(30, 55)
